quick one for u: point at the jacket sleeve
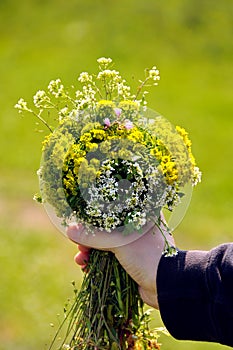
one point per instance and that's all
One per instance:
(195, 294)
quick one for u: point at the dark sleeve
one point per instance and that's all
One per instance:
(195, 294)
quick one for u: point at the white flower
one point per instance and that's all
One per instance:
(79, 94)
(66, 346)
(40, 171)
(86, 97)
(197, 176)
(21, 105)
(123, 90)
(108, 73)
(104, 61)
(56, 88)
(40, 99)
(154, 74)
(84, 77)
(64, 112)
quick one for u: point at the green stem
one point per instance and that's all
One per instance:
(167, 244)
(97, 89)
(118, 288)
(140, 88)
(41, 119)
(61, 326)
(128, 296)
(107, 310)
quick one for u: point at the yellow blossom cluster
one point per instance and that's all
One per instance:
(183, 133)
(195, 171)
(77, 169)
(167, 164)
(83, 146)
(105, 108)
(98, 137)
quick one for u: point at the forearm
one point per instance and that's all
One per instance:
(195, 294)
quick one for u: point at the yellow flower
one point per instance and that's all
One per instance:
(183, 133)
(46, 141)
(136, 135)
(120, 131)
(91, 146)
(70, 183)
(105, 103)
(86, 137)
(98, 134)
(78, 151)
(129, 105)
(77, 162)
(90, 126)
(170, 172)
(105, 109)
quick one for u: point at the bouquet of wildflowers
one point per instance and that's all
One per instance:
(111, 164)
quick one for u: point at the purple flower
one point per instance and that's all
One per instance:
(117, 112)
(107, 122)
(128, 124)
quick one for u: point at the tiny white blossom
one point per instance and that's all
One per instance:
(123, 90)
(108, 73)
(84, 77)
(21, 105)
(154, 74)
(40, 99)
(56, 88)
(66, 346)
(104, 61)
(197, 176)
(79, 94)
(64, 112)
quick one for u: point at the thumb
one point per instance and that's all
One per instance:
(77, 234)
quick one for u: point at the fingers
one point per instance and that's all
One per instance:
(74, 232)
(83, 249)
(140, 258)
(82, 258)
(78, 234)
(104, 240)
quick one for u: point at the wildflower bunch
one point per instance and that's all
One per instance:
(113, 164)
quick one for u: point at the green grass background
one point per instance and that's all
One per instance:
(191, 43)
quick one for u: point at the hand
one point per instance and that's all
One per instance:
(140, 258)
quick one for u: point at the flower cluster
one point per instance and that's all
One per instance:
(107, 84)
(113, 164)
(104, 123)
(21, 105)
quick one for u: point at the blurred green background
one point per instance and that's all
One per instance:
(190, 41)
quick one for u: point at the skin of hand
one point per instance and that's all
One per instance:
(139, 258)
